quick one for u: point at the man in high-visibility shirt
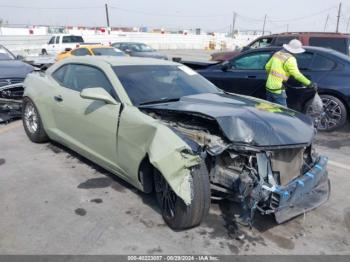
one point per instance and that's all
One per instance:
(279, 68)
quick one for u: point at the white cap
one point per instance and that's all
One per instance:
(294, 47)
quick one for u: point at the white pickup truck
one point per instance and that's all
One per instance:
(60, 43)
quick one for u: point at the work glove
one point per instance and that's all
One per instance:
(314, 86)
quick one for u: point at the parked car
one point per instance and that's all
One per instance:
(60, 43)
(91, 50)
(245, 74)
(12, 74)
(164, 128)
(337, 41)
(139, 50)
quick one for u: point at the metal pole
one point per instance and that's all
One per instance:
(233, 23)
(263, 31)
(107, 18)
(338, 17)
(325, 25)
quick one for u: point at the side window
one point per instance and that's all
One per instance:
(72, 39)
(79, 77)
(304, 60)
(80, 52)
(321, 63)
(52, 41)
(338, 44)
(252, 61)
(60, 74)
(57, 40)
(283, 40)
(262, 42)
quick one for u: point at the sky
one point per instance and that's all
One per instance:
(210, 15)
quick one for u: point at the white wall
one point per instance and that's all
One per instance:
(31, 44)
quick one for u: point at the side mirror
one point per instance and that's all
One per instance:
(245, 48)
(97, 93)
(225, 66)
(19, 57)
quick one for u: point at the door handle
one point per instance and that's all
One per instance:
(58, 98)
(251, 76)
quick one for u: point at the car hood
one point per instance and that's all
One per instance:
(14, 69)
(149, 54)
(246, 120)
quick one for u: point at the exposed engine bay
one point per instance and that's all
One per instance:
(269, 180)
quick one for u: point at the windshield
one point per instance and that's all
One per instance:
(141, 48)
(107, 51)
(157, 83)
(5, 54)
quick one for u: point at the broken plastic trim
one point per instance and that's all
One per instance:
(303, 194)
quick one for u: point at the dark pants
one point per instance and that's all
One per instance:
(280, 99)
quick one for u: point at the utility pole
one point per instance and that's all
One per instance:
(338, 17)
(107, 18)
(233, 23)
(325, 25)
(263, 31)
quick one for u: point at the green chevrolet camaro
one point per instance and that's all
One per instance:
(165, 129)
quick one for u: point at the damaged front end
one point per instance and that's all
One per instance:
(11, 93)
(286, 180)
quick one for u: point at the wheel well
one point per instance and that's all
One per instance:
(145, 175)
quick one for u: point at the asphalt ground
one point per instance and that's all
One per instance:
(53, 201)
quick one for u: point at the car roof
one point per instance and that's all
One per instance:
(314, 34)
(119, 61)
(136, 43)
(310, 48)
(315, 49)
(95, 46)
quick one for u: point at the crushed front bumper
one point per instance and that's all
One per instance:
(304, 193)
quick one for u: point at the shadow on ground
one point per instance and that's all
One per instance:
(220, 224)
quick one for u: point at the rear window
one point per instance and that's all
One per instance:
(72, 39)
(321, 63)
(107, 52)
(304, 60)
(339, 44)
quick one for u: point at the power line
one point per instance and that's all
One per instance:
(167, 15)
(306, 16)
(50, 8)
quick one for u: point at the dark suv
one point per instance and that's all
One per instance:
(336, 41)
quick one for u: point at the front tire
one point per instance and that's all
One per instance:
(334, 115)
(175, 212)
(32, 123)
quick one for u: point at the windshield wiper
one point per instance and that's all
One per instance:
(163, 100)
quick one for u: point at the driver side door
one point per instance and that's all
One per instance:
(85, 125)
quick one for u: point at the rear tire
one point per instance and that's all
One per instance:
(175, 212)
(43, 52)
(32, 123)
(334, 116)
